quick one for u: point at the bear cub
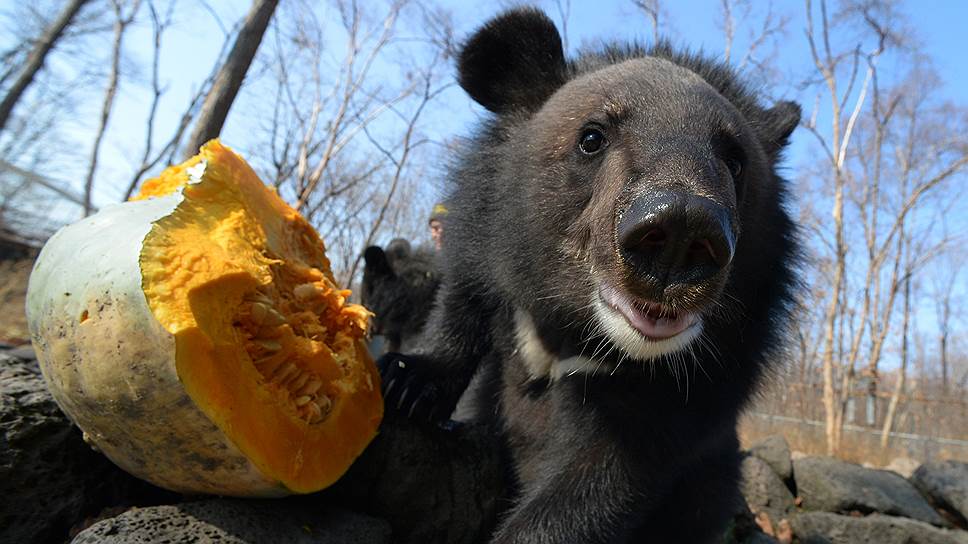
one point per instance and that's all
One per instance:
(619, 270)
(399, 285)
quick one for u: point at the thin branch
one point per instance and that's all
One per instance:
(121, 22)
(408, 146)
(36, 58)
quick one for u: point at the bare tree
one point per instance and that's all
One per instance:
(399, 160)
(35, 60)
(943, 299)
(835, 147)
(736, 15)
(874, 183)
(229, 79)
(38, 135)
(151, 157)
(343, 126)
(655, 13)
(121, 22)
(563, 7)
(346, 138)
(905, 355)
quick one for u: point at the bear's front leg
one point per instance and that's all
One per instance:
(702, 501)
(586, 499)
(602, 459)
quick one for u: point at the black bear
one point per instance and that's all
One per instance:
(399, 285)
(620, 266)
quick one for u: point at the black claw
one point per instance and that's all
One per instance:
(389, 387)
(425, 401)
(413, 407)
(403, 397)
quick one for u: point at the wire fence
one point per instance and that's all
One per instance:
(930, 423)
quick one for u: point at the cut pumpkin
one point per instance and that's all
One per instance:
(197, 336)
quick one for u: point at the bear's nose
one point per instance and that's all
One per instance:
(676, 238)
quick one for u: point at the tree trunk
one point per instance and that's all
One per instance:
(902, 373)
(120, 24)
(36, 59)
(943, 339)
(229, 79)
(831, 427)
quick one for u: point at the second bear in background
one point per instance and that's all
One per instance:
(399, 286)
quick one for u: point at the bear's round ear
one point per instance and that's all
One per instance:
(375, 261)
(515, 61)
(778, 123)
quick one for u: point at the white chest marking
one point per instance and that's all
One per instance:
(539, 362)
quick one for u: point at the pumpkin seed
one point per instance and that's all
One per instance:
(300, 401)
(324, 402)
(299, 381)
(258, 312)
(306, 291)
(274, 318)
(283, 372)
(268, 345)
(258, 296)
(263, 360)
(315, 414)
(311, 387)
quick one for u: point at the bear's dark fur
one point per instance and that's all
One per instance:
(619, 260)
(399, 285)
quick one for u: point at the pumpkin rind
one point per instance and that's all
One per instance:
(146, 338)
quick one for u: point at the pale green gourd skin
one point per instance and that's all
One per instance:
(111, 366)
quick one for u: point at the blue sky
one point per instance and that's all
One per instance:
(191, 46)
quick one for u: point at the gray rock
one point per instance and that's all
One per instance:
(763, 490)
(776, 452)
(827, 528)
(235, 521)
(945, 483)
(832, 485)
(49, 478)
(25, 352)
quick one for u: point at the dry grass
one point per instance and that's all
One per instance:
(13, 295)
(858, 445)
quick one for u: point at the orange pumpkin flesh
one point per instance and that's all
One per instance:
(266, 344)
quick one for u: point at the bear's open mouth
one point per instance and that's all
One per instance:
(654, 321)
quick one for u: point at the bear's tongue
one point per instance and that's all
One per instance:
(645, 318)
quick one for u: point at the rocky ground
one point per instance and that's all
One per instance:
(825, 500)
(57, 489)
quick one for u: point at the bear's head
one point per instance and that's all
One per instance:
(398, 286)
(640, 205)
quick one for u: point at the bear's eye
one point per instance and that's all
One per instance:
(592, 141)
(735, 167)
